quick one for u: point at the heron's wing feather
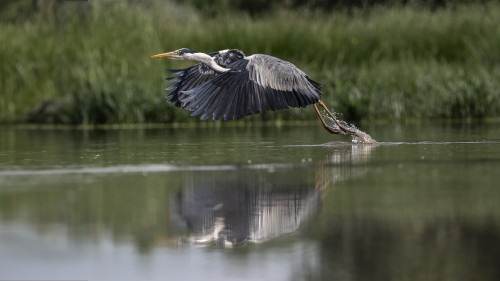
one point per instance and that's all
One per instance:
(187, 79)
(269, 71)
(234, 94)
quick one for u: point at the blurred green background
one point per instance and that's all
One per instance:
(87, 62)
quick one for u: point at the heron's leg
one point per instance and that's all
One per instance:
(343, 127)
(330, 129)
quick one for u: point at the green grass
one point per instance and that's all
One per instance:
(383, 63)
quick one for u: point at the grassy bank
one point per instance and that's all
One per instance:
(385, 63)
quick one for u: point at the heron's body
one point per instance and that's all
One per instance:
(243, 85)
(229, 85)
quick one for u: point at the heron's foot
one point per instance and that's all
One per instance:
(335, 130)
(358, 136)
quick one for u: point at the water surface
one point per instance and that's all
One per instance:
(254, 203)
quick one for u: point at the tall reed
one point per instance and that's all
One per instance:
(389, 63)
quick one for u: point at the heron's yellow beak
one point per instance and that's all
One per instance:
(170, 55)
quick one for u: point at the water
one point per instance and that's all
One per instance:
(254, 203)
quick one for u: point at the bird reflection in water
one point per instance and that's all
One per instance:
(243, 207)
(246, 205)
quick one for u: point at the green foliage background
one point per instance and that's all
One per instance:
(78, 62)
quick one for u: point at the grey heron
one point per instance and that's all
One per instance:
(229, 85)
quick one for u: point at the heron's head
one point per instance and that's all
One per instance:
(181, 54)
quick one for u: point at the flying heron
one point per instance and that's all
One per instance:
(229, 85)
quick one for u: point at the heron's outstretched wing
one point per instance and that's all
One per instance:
(254, 84)
(187, 79)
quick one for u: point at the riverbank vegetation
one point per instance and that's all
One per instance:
(89, 63)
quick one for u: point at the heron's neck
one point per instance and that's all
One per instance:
(208, 60)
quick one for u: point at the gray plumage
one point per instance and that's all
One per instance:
(246, 85)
